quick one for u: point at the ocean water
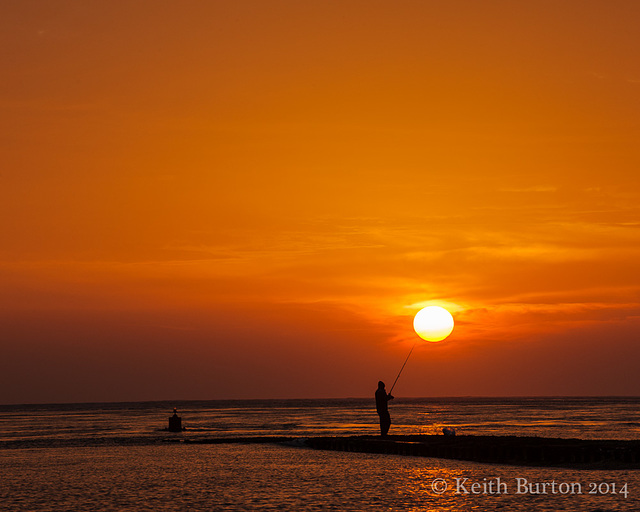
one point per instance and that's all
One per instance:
(118, 457)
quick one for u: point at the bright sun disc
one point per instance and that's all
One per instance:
(433, 323)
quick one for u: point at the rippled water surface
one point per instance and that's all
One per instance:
(118, 457)
(585, 418)
(271, 477)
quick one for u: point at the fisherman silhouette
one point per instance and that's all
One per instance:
(382, 407)
(175, 422)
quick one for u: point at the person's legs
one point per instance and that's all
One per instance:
(385, 423)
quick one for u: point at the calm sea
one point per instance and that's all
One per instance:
(117, 456)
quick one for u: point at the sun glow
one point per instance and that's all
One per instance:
(433, 323)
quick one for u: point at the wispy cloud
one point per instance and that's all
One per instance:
(536, 188)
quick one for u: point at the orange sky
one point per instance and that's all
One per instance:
(252, 199)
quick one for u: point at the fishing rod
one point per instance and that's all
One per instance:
(405, 362)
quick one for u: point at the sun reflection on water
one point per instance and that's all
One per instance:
(271, 477)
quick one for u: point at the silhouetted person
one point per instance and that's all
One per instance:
(175, 422)
(382, 407)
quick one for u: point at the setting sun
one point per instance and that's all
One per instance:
(433, 323)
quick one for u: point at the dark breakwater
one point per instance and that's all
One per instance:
(509, 450)
(512, 450)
